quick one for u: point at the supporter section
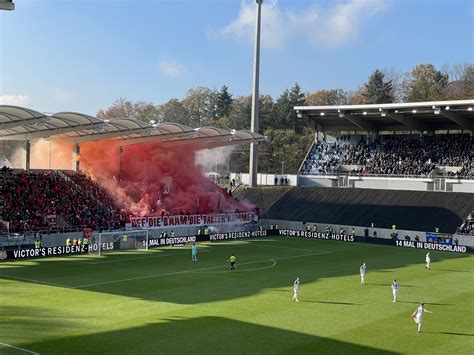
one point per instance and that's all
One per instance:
(27, 199)
(408, 210)
(392, 155)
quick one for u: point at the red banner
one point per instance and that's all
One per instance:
(192, 220)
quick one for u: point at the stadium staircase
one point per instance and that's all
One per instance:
(408, 210)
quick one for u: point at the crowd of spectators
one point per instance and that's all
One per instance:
(467, 226)
(28, 199)
(392, 155)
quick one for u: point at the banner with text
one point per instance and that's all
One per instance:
(191, 220)
(358, 239)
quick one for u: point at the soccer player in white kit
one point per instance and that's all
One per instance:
(428, 261)
(395, 290)
(363, 270)
(418, 315)
(296, 288)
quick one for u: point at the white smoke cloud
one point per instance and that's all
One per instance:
(334, 25)
(215, 159)
(15, 100)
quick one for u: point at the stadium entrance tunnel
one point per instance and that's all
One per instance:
(201, 335)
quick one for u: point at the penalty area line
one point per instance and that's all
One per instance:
(137, 258)
(18, 348)
(39, 282)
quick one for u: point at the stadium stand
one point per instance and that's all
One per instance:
(27, 199)
(408, 210)
(392, 155)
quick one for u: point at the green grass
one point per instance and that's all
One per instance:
(160, 302)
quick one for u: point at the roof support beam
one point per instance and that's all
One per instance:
(460, 121)
(359, 122)
(23, 122)
(46, 133)
(156, 138)
(410, 122)
(99, 136)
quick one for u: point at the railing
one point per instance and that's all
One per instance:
(351, 174)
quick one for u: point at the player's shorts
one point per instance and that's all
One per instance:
(395, 292)
(232, 263)
(295, 290)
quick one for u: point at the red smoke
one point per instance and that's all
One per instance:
(149, 178)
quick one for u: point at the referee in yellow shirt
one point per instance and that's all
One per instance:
(232, 262)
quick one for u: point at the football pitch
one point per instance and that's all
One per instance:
(160, 302)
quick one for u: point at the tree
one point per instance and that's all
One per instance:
(140, 110)
(462, 84)
(356, 97)
(240, 112)
(266, 112)
(286, 117)
(223, 103)
(297, 98)
(425, 83)
(199, 105)
(327, 98)
(377, 90)
(173, 111)
(284, 148)
(396, 77)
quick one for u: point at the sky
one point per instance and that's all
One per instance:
(81, 55)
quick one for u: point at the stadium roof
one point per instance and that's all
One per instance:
(416, 116)
(19, 123)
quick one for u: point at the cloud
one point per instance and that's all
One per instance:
(62, 94)
(334, 25)
(16, 100)
(171, 68)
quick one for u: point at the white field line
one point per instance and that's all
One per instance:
(190, 271)
(34, 281)
(15, 347)
(137, 258)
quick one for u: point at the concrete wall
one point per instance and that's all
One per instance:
(318, 181)
(266, 179)
(461, 185)
(364, 182)
(385, 183)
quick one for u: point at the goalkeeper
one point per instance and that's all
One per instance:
(194, 252)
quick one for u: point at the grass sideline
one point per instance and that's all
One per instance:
(159, 301)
